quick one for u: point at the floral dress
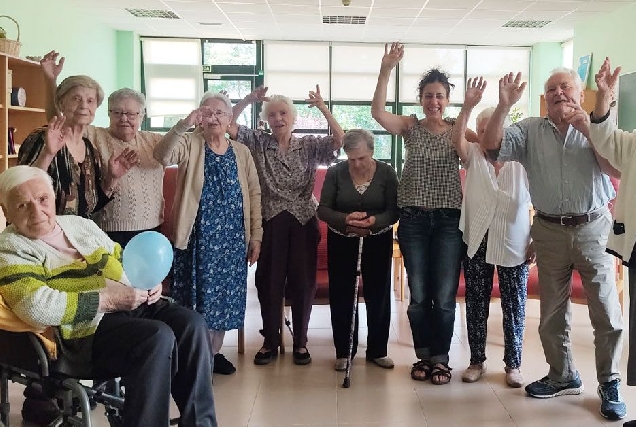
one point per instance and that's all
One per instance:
(210, 276)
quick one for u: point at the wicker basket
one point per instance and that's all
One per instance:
(11, 47)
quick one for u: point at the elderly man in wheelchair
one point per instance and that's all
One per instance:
(62, 277)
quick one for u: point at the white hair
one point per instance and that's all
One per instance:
(18, 175)
(354, 137)
(278, 98)
(487, 113)
(126, 93)
(564, 70)
(216, 95)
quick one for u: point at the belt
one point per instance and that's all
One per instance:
(570, 220)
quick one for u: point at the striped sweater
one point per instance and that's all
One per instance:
(46, 288)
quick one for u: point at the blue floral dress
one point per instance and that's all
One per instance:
(210, 276)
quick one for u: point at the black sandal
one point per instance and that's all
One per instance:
(421, 370)
(442, 372)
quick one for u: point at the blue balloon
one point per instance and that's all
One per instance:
(147, 259)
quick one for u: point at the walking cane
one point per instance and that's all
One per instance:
(347, 379)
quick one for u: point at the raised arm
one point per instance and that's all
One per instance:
(315, 100)
(510, 91)
(393, 123)
(51, 70)
(474, 91)
(172, 147)
(257, 95)
(606, 83)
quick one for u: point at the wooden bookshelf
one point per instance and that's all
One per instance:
(28, 75)
(589, 98)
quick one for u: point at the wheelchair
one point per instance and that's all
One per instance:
(24, 360)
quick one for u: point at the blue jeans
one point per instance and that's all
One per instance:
(432, 246)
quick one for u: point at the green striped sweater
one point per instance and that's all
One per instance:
(46, 288)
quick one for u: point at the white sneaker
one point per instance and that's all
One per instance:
(514, 378)
(474, 372)
(384, 362)
(340, 364)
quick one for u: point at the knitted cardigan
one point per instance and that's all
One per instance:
(44, 288)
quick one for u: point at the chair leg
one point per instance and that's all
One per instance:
(241, 341)
(5, 406)
(282, 328)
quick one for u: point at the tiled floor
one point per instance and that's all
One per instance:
(285, 395)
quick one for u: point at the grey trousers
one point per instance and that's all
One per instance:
(560, 250)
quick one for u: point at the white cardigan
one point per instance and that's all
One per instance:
(497, 205)
(619, 148)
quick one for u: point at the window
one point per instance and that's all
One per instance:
(293, 68)
(172, 79)
(354, 72)
(492, 64)
(419, 59)
(229, 53)
(233, 67)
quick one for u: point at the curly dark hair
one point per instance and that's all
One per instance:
(434, 75)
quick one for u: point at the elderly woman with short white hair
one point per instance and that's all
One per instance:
(495, 222)
(359, 200)
(287, 170)
(217, 219)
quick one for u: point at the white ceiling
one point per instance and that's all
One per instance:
(473, 22)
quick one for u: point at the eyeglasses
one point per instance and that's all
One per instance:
(218, 113)
(129, 114)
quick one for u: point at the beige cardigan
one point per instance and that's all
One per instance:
(187, 151)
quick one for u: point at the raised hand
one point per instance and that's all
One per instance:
(392, 56)
(510, 89)
(605, 78)
(259, 94)
(120, 165)
(578, 118)
(55, 135)
(51, 68)
(474, 91)
(195, 118)
(315, 99)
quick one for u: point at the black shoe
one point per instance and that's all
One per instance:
(302, 358)
(264, 357)
(222, 365)
(43, 413)
(631, 423)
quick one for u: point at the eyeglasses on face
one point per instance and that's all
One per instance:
(129, 114)
(218, 113)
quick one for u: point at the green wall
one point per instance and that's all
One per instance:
(545, 58)
(608, 35)
(89, 47)
(128, 60)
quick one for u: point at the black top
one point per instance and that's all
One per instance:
(340, 197)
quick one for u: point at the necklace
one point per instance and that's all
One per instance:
(365, 177)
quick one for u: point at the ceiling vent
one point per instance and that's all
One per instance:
(526, 24)
(153, 13)
(341, 19)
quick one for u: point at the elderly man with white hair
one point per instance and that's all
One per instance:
(570, 191)
(65, 272)
(496, 228)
